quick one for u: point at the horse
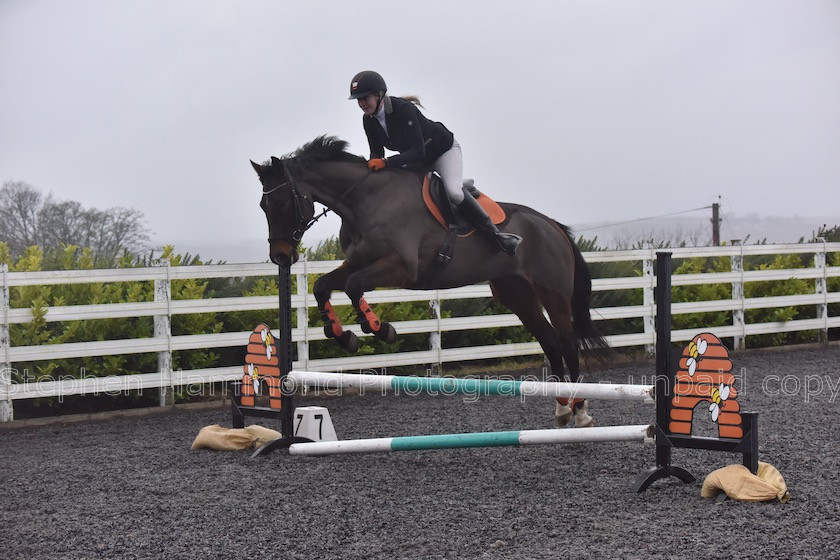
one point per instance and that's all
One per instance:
(391, 240)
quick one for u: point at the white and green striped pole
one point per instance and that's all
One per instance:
(450, 386)
(480, 439)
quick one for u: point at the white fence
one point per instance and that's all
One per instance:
(163, 308)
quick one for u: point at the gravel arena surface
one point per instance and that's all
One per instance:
(131, 487)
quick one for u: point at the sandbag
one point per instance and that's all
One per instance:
(233, 439)
(740, 484)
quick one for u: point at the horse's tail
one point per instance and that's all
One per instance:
(591, 342)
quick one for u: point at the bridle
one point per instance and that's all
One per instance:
(301, 224)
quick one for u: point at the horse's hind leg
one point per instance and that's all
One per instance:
(559, 310)
(518, 295)
(322, 291)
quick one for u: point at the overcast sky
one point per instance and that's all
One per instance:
(591, 111)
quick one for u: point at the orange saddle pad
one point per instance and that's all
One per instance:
(490, 206)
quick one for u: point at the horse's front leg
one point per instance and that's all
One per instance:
(387, 271)
(322, 291)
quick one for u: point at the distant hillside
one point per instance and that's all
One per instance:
(229, 251)
(697, 231)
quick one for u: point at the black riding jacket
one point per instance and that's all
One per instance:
(418, 140)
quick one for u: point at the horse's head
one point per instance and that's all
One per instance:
(288, 209)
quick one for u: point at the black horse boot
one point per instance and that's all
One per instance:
(477, 217)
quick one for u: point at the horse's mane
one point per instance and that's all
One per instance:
(321, 149)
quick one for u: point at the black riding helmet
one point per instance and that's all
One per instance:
(366, 82)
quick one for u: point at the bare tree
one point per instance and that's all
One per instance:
(28, 218)
(121, 228)
(19, 206)
(61, 220)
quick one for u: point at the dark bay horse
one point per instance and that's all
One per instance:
(391, 240)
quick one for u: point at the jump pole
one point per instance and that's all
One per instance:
(451, 386)
(639, 433)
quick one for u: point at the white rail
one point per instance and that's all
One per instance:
(164, 308)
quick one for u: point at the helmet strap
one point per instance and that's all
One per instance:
(379, 96)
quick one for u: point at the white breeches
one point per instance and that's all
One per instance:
(450, 167)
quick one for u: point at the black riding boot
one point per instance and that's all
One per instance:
(475, 214)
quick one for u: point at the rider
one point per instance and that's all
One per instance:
(397, 124)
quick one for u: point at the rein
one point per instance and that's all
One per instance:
(327, 209)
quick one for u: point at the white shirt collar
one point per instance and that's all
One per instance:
(380, 116)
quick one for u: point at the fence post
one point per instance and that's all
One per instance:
(303, 315)
(7, 412)
(821, 288)
(737, 265)
(649, 302)
(163, 329)
(435, 336)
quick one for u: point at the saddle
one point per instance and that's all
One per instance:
(447, 215)
(438, 204)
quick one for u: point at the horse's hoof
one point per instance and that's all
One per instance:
(348, 341)
(562, 413)
(387, 333)
(582, 417)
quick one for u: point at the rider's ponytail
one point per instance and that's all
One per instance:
(414, 99)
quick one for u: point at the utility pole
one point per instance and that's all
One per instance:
(716, 223)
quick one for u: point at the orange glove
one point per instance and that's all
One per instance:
(376, 164)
